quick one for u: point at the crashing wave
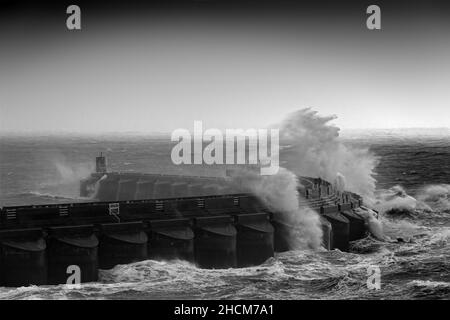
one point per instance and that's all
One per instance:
(437, 197)
(313, 148)
(279, 193)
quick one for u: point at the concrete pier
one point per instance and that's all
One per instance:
(127, 189)
(108, 189)
(282, 234)
(195, 189)
(122, 243)
(162, 189)
(72, 246)
(23, 258)
(144, 190)
(39, 242)
(254, 239)
(215, 242)
(357, 223)
(210, 189)
(340, 225)
(180, 189)
(222, 205)
(171, 239)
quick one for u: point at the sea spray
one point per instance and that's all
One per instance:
(66, 170)
(429, 198)
(395, 199)
(69, 173)
(437, 196)
(279, 193)
(395, 204)
(339, 182)
(372, 222)
(97, 186)
(60, 177)
(312, 147)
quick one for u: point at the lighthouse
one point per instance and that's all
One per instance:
(100, 164)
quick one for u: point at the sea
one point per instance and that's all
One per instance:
(413, 264)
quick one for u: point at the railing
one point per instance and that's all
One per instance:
(59, 213)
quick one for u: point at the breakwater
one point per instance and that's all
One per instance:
(44, 244)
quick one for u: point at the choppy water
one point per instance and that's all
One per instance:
(45, 169)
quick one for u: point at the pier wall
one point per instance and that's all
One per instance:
(39, 243)
(72, 245)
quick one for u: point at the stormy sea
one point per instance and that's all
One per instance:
(411, 177)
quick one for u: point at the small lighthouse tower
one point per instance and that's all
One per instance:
(100, 164)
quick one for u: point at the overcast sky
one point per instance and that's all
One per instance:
(158, 71)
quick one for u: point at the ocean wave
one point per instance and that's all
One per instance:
(436, 196)
(429, 284)
(426, 289)
(49, 195)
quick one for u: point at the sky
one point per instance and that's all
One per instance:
(155, 69)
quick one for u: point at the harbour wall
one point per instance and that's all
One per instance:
(49, 244)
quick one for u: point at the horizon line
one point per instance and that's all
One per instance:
(159, 133)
